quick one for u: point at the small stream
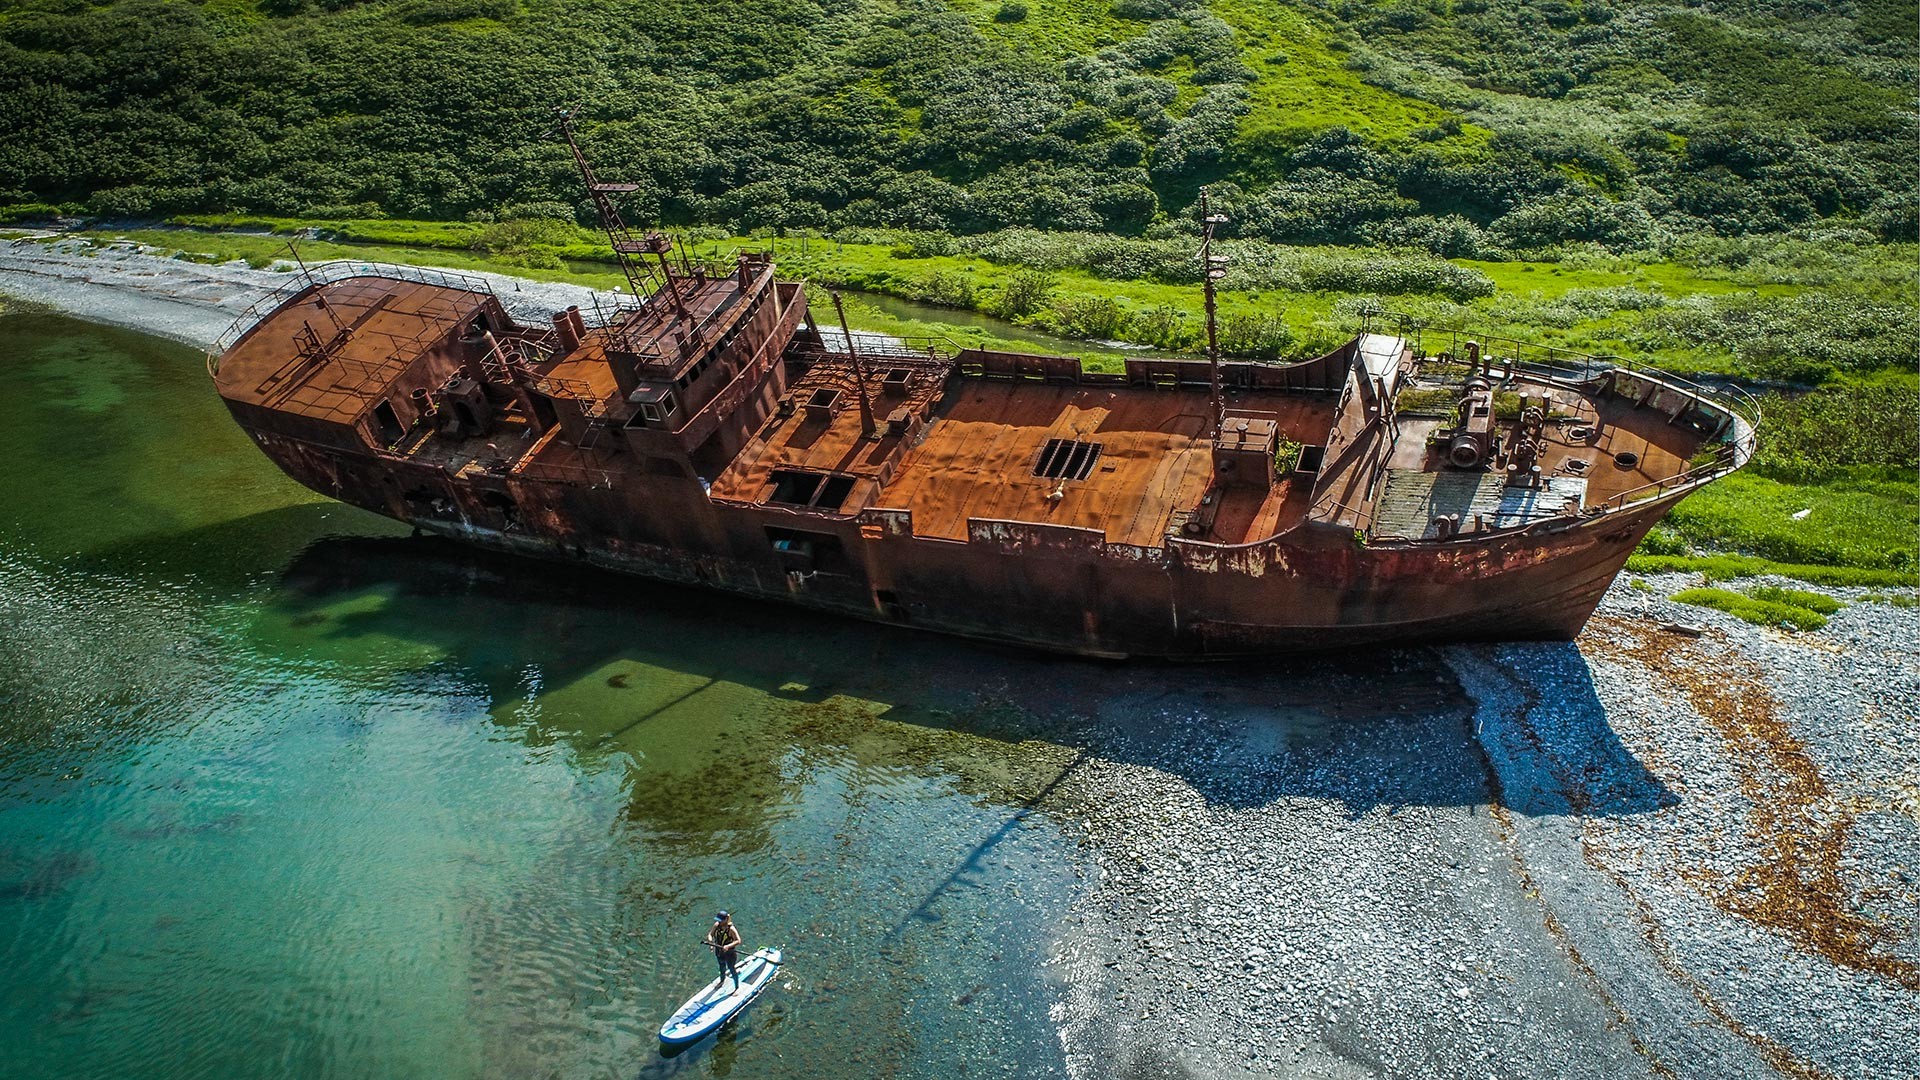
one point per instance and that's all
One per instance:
(1035, 340)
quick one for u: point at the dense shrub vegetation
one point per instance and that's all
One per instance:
(1463, 128)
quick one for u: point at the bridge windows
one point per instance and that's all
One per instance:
(656, 401)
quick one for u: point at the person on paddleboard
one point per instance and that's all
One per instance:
(724, 940)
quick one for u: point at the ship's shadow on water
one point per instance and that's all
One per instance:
(226, 556)
(1367, 729)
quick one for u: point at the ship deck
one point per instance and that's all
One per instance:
(979, 455)
(1600, 449)
(329, 354)
(978, 460)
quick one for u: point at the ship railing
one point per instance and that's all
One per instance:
(553, 386)
(1360, 518)
(1570, 368)
(327, 273)
(1726, 458)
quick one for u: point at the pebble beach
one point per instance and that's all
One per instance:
(1652, 852)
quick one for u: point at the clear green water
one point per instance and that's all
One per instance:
(285, 793)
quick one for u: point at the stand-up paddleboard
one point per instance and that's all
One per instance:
(720, 1001)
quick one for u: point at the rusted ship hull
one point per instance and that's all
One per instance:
(1018, 585)
(714, 436)
(709, 433)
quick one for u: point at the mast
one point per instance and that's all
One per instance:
(859, 370)
(639, 278)
(1214, 268)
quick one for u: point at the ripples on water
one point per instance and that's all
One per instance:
(281, 795)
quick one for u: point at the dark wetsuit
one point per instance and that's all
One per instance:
(725, 939)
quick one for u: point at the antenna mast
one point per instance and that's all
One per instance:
(1213, 267)
(639, 278)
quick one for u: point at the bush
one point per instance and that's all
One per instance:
(1031, 247)
(1804, 338)
(1257, 337)
(1575, 217)
(1152, 10)
(1823, 435)
(1026, 292)
(1164, 327)
(21, 212)
(1092, 317)
(1318, 205)
(1012, 11)
(1395, 277)
(943, 288)
(1437, 401)
(1451, 236)
(924, 245)
(1172, 262)
(525, 241)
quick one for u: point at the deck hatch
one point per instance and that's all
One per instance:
(818, 491)
(1066, 459)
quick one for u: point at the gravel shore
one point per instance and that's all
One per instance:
(1681, 846)
(1646, 853)
(190, 302)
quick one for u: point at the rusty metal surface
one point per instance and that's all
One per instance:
(978, 462)
(824, 430)
(334, 348)
(988, 494)
(978, 458)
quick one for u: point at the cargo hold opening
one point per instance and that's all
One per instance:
(816, 491)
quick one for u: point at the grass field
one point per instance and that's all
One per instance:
(1599, 304)
(1304, 86)
(1052, 29)
(1869, 523)
(1794, 609)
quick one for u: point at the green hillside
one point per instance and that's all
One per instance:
(1468, 127)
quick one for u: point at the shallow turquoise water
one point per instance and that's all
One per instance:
(286, 793)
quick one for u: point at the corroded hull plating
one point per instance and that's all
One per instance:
(714, 437)
(1313, 589)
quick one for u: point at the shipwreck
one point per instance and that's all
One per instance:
(710, 431)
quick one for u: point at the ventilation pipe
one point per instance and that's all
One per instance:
(564, 331)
